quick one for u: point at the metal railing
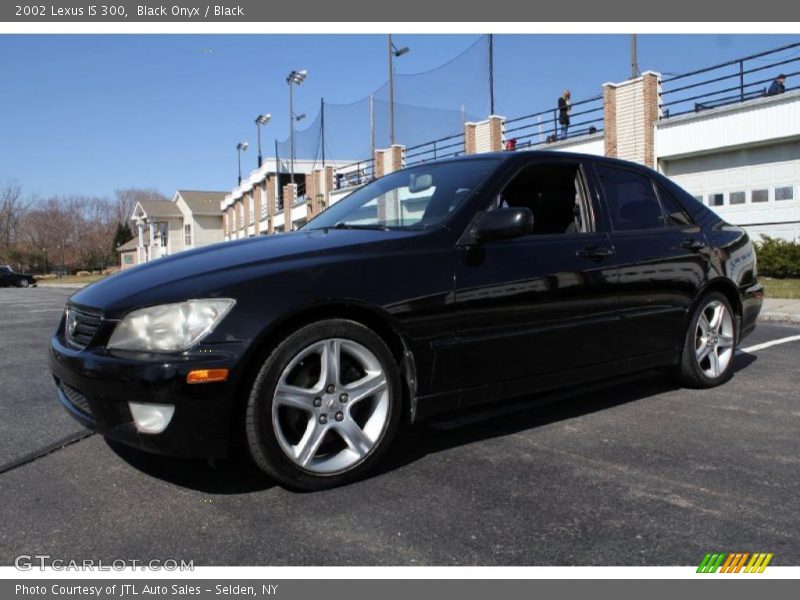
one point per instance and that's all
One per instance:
(446, 147)
(543, 127)
(354, 174)
(727, 83)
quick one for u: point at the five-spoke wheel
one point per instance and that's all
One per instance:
(710, 344)
(325, 404)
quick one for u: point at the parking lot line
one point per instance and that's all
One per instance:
(786, 340)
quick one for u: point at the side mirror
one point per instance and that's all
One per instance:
(504, 223)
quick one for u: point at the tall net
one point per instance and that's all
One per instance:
(430, 105)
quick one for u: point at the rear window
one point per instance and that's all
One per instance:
(631, 199)
(674, 212)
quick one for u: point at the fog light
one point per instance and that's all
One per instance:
(151, 418)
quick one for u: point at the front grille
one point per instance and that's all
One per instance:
(77, 399)
(81, 327)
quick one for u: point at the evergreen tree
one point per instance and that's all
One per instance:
(122, 235)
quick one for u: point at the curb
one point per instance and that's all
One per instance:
(72, 286)
(784, 317)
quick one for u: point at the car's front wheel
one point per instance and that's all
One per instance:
(325, 406)
(710, 344)
(23, 283)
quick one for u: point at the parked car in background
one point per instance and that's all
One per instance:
(8, 277)
(435, 288)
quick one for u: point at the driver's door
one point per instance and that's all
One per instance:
(540, 303)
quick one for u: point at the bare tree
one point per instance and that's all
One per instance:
(126, 199)
(12, 210)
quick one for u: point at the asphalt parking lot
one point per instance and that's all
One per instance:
(641, 473)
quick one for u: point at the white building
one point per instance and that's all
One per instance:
(267, 202)
(190, 220)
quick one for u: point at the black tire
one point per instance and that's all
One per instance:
(694, 373)
(23, 283)
(260, 429)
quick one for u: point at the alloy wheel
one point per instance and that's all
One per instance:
(330, 406)
(714, 339)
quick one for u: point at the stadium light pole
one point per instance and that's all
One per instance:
(240, 147)
(261, 120)
(294, 78)
(394, 52)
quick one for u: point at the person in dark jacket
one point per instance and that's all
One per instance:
(564, 106)
(778, 86)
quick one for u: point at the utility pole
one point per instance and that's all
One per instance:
(634, 59)
(391, 90)
(491, 74)
(322, 127)
(278, 191)
(372, 125)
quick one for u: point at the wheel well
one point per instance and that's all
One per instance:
(275, 335)
(727, 289)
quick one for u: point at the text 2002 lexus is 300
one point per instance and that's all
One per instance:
(435, 288)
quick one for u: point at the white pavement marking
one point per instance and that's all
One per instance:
(786, 340)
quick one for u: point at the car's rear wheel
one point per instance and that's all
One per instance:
(325, 406)
(23, 283)
(710, 344)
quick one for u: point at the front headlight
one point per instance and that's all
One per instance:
(169, 327)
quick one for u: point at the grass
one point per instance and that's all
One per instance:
(73, 279)
(781, 288)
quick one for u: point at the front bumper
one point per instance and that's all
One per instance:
(95, 386)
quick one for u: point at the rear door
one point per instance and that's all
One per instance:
(541, 303)
(661, 254)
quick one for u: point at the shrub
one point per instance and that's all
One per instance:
(778, 258)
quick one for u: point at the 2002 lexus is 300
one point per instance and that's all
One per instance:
(434, 288)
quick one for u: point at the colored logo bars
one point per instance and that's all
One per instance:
(734, 562)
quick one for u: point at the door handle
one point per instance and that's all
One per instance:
(595, 252)
(693, 244)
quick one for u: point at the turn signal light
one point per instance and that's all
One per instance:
(207, 375)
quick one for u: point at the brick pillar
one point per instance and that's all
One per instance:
(289, 198)
(389, 160)
(631, 112)
(271, 198)
(326, 182)
(380, 169)
(484, 136)
(311, 193)
(247, 202)
(496, 132)
(257, 207)
(469, 138)
(397, 156)
(235, 219)
(651, 82)
(610, 119)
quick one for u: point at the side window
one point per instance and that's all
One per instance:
(675, 214)
(631, 199)
(553, 193)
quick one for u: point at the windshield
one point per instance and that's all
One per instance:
(415, 198)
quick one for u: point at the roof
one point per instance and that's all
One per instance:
(129, 245)
(202, 202)
(160, 208)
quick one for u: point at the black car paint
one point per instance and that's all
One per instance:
(470, 322)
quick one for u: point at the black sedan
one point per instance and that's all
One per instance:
(433, 289)
(9, 277)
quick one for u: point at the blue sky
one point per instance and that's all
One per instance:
(89, 114)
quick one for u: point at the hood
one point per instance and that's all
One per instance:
(211, 270)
